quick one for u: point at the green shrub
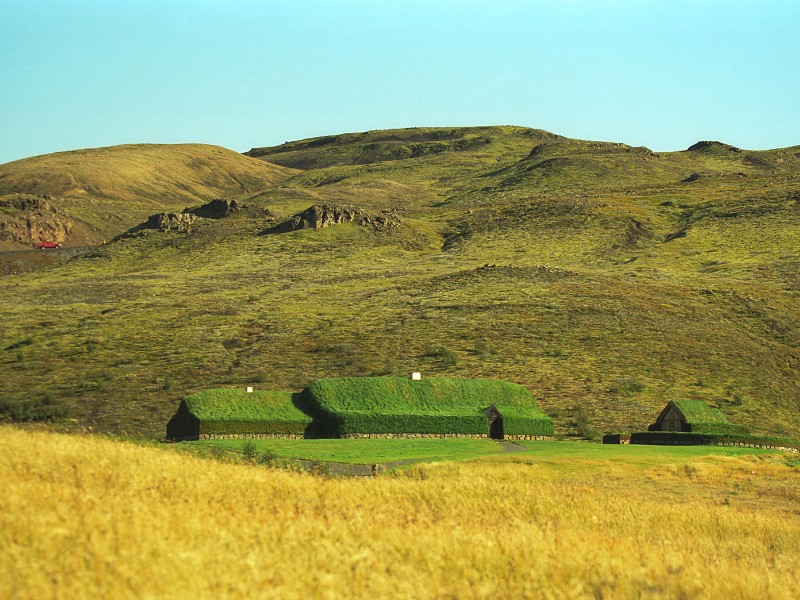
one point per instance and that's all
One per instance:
(626, 385)
(446, 357)
(582, 422)
(217, 453)
(268, 457)
(481, 348)
(42, 407)
(88, 386)
(249, 451)
(319, 468)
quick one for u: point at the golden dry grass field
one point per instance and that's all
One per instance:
(85, 517)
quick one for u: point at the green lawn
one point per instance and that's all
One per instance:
(369, 451)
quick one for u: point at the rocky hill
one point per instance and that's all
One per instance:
(98, 193)
(608, 279)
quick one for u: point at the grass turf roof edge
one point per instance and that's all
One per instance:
(699, 412)
(234, 410)
(427, 395)
(238, 406)
(402, 405)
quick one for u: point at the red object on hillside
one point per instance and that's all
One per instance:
(48, 245)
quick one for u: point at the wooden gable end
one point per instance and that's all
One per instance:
(492, 412)
(672, 419)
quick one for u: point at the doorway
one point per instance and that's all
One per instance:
(496, 428)
(495, 420)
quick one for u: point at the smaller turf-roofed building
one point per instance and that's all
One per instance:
(694, 416)
(239, 413)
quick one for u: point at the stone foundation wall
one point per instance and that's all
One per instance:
(251, 436)
(406, 436)
(616, 438)
(689, 439)
(471, 436)
(765, 446)
(353, 436)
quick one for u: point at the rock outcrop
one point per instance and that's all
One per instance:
(27, 220)
(711, 147)
(172, 222)
(216, 209)
(190, 218)
(326, 215)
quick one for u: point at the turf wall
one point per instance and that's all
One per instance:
(672, 438)
(238, 412)
(400, 405)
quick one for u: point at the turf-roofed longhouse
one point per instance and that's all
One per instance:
(353, 406)
(223, 412)
(367, 406)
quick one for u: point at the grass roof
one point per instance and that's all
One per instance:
(400, 395)
(400, 405)
(239, 405)
(705, 418)
(697, 411)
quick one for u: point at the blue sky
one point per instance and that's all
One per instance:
(83, 73)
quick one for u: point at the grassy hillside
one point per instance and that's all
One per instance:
(108, 190)
(386, 145)
(85, 516)
(606, 279)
